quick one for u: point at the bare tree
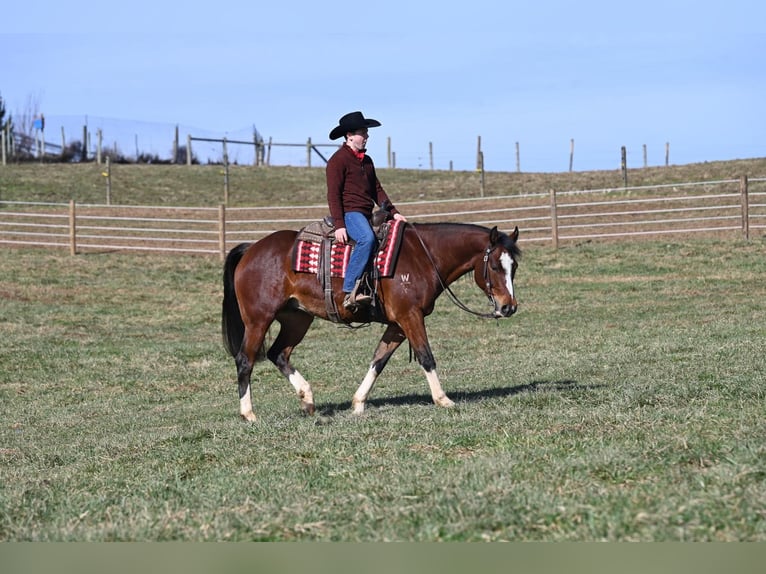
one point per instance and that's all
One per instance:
(6, 127)
(28, 114)
(5, 124)
(25, 125)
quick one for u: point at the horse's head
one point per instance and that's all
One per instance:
(496, 272)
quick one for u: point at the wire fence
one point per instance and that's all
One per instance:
(734, 208)
(75, 138)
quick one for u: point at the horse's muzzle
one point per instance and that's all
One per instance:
(506, 310)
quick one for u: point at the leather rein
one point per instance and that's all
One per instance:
(454, 298)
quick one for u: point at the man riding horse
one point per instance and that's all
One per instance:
(353, 189)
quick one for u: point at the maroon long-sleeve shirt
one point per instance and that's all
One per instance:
(352, 185)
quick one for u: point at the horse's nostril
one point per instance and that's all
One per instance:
(508, 310)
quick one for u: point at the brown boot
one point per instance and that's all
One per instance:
(355, 298)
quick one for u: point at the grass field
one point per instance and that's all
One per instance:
(625, 401)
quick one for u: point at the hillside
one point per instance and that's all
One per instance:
(254, 186)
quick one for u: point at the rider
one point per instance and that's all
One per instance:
(352, 190)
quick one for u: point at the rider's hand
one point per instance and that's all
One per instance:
(341, 236)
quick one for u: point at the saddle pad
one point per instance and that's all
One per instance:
(307, 254)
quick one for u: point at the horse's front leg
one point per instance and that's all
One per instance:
(415, 329)
(389, 342)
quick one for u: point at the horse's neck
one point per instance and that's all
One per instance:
(453, 248)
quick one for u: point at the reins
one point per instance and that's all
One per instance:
(454, 298)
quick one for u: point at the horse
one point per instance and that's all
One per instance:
(260, 287)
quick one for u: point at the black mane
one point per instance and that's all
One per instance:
(510, 245)
(503, 238)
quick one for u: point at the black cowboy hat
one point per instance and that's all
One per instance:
(352, 122)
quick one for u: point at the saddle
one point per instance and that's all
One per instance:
(316, 251)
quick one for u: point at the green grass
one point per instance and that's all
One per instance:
(625, 401)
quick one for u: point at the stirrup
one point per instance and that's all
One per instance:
(350, 301)
(355, 297)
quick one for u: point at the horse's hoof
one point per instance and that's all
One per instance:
(308, 408)
(358, 409)
(446, 403)
(248, 417)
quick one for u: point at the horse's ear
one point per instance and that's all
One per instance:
(493, 235)
(515, 234)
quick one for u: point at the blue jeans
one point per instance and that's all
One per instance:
(358, 229)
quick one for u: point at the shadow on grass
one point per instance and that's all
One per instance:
(566, 385)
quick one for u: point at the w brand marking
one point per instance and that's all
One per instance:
(404, 277)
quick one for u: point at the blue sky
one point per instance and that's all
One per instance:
(603, 73)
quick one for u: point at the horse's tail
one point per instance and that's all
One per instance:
(232, 326)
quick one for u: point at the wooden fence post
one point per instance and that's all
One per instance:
(554, 221)
(431, 155)
(225, 173)
(667, 153)
(308, 152)
(571, 154)
(481, 173)
(268, 154)
(175, 146)
(222, 231)
(745, 207)
(645, 162)
(2, 145)
(99, 141)
(72, 228)
(108, 175)
(479, 157)
(624, 165)
(518, 159)
(388, 152)
(188, 149)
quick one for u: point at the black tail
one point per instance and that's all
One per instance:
(232, 327)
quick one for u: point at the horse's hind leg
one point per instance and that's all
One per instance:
(389, 342)
(252, 344)
(293, 327)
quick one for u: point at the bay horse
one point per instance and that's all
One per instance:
(260, 287)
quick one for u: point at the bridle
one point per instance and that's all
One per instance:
(454, 298)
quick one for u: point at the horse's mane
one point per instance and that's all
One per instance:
(510, 245)
(503, 238)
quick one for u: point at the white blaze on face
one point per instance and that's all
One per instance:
(507, 263)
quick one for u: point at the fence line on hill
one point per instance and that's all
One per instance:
(262, 149)
(736, 206)
(92, 138)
